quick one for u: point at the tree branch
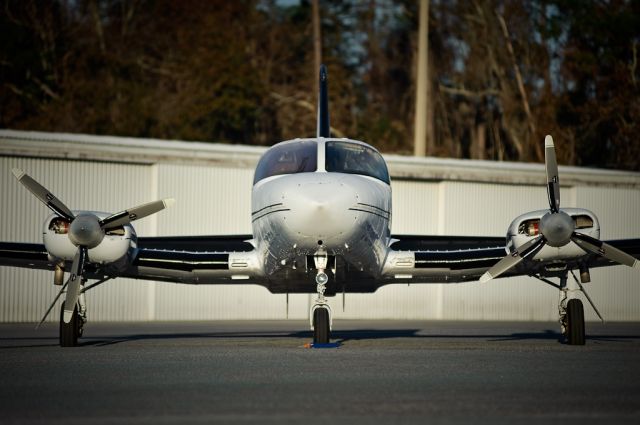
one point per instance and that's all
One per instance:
(98, 24)
(468, 93)
(523, 92)
(45, 88)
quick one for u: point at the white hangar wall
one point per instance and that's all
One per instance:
(212, 184)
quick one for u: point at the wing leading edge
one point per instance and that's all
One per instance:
(232, 259)
(195, 260)
(27, 255)
(445, 259)
(440, 259)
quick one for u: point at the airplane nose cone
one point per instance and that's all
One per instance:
(320, 210)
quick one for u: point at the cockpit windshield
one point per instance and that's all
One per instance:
(352, 158)
(288, 158)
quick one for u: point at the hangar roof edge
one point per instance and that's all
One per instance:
(156, 151)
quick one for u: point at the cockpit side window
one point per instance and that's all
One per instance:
(352, 158)
(288, 158)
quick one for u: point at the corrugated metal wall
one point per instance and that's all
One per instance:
(216, 200)
(211, 201)
(480, 209)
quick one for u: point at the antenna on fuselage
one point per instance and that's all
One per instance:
(324, 130)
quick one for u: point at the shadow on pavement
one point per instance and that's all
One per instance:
(338, 336)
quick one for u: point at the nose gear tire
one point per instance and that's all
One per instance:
(321, 332)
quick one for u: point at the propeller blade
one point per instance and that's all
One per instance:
(40, 192)
(605, 250)
(513, 259)
(73, 285)
(132, 214)
(553, 181)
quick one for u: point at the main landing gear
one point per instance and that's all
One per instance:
(571, 309)
(320, 314)
(70, 332)
(573, 322)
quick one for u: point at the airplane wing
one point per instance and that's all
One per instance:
(544, 243)
(227, 259)
(189, 259)
(27, 255)
(196, 260)
(451, 259)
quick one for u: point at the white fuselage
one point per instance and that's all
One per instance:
(341, 214)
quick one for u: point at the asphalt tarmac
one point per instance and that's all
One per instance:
(260, 372)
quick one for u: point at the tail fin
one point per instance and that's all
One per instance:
(324, 130)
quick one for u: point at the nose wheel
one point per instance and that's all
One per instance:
(321, 328)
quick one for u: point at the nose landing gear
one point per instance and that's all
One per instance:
(320, 314)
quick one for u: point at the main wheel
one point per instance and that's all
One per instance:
(321, 332)
(575, 322)
(69, 332)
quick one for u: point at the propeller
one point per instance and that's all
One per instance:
(557, 228)
(86, 231)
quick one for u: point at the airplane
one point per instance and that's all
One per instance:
(321, 223)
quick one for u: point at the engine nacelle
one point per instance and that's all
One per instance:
(526, 227)
(115, 245)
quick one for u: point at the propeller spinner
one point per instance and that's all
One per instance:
(557, 228)
(86, 231)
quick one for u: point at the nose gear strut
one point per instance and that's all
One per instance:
(320, 314)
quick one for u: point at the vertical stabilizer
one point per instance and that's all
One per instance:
(324, 130)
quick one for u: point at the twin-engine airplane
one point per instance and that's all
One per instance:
(321, 224)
